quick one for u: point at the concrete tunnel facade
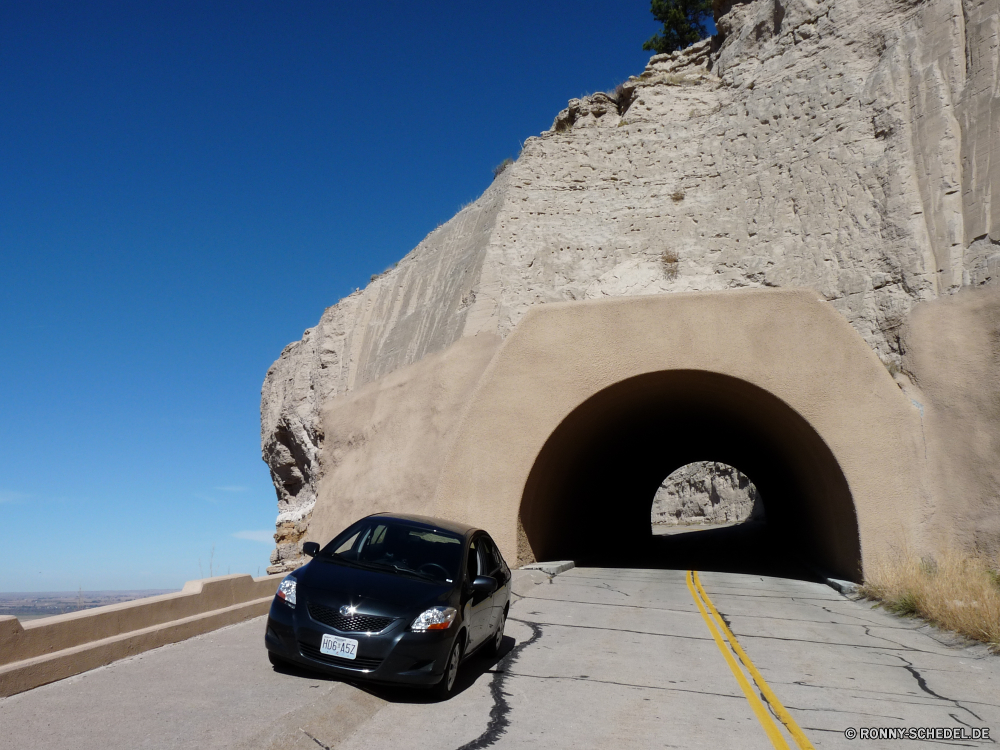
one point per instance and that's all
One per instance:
(587, 406)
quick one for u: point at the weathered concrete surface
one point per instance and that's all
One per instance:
(595, 658)
(213, 691)
(386, 441)
(54, 648)
(951, 368)
(846, 147)
(780, 376)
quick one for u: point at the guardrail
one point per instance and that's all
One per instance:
(54, 648)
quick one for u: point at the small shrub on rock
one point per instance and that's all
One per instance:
(671, 264)
(684, 23)
(499, 168)
(622, 96)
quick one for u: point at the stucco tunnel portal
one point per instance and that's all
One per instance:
(588, 495)
(588, 406)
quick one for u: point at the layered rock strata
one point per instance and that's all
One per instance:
(848, 147)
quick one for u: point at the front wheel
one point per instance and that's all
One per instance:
(446, 688)
(277, 662)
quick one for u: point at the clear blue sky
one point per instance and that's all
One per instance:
(184, 188)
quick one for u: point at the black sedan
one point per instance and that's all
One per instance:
(395, 599)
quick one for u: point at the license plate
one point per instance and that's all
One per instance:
(345, 648)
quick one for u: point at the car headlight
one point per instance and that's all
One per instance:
(435, 618)
(286, 591)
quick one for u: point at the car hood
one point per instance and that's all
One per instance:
(371, 591)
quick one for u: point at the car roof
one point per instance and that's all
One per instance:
(437, 523)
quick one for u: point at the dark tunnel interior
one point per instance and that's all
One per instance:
(589, 493)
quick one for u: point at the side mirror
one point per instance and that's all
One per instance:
(484, 585)
(311, 549)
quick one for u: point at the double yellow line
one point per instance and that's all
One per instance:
(715, 625)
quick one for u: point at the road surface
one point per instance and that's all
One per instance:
(595, 657)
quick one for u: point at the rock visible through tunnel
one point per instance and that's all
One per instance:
(706, 493)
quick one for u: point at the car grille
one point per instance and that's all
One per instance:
(349, 623)
(313, 652)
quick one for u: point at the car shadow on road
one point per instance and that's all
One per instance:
(469, 673)
(472, 669)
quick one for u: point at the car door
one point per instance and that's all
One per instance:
(478, 606)
(494, 565)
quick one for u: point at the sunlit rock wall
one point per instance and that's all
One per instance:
(706, 493)
(848, 147)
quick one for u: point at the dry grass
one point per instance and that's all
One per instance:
(670, 262)
(500, 168)
(622, 96)
(954, 592)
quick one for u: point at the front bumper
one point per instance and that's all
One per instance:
(397, 655)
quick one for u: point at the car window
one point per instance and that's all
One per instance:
(496, 553)
(372, 545)
(473, 561)
(489, 557)
(348, 545)
(399, 546)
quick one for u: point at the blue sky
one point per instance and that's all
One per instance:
(184, 188)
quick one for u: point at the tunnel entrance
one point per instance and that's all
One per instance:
(588, 495)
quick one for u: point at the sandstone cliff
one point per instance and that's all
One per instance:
(848, 147)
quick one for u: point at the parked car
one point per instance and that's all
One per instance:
(393, 599)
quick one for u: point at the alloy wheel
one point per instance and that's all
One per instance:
(456, 656)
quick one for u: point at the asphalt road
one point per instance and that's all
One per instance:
(595, 658)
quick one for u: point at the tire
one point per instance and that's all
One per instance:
(446, 688)
(493, 647)
(277, 662)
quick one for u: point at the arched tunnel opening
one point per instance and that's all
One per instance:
(590, 491)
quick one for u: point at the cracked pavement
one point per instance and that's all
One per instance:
(594, 657)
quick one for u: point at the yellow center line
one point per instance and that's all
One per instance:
(780, 711)
(770, 728)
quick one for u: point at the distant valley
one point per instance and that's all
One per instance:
(34, 605)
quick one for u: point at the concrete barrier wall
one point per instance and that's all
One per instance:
(53, 648)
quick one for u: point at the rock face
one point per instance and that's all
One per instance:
(853, 148)
(706, 492)
(418, 308)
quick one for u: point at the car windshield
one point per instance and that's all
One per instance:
(400, 547)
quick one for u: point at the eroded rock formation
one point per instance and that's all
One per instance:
(848, 147)
(706, 492)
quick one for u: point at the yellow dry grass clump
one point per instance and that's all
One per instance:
(952, 591)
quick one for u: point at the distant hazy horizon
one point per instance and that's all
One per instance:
(37, 605)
